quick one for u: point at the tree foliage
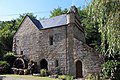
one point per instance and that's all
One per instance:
(5, 67)
(106, 14)
(6, 34)
(58, 11)
(92, 34)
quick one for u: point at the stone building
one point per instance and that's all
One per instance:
(57, 42)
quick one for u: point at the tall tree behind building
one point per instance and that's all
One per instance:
(107, 14)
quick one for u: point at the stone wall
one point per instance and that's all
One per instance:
(70, 56)
(26, 37)
(74, 30)
(68, 46)
(35, 44)
(90, 58)
(57, 51)
(79, 34)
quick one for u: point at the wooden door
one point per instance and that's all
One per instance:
(79, 69)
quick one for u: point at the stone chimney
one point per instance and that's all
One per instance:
(72, 14)
(73, 19)
(73, 9)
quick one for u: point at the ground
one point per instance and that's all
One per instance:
(24, 77)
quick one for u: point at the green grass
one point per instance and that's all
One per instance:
(29, 77)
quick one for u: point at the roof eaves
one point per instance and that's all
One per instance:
(54, 27)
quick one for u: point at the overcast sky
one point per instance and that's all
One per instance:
(10, 9)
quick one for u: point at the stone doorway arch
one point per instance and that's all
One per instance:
(44, 64)
(79, 69)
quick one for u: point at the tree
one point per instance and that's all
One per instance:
(92, 34)
(6, 34)
(58, 11)
(106, 14)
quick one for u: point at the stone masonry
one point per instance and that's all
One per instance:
(60, 44)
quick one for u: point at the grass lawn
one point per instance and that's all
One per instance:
(28, 77)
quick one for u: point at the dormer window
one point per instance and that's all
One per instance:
(51, 40)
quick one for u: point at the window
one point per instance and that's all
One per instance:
(21, 53)
(56, 63)
(51, 40)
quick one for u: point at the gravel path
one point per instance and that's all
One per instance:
(24, 77)
(10, 78)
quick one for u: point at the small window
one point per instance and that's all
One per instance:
(56, 63)
(51, 40)
(21, 53)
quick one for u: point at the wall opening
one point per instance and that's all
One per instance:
(43, 64)
(79, 69)
(21, 52)
(56, 63)
(51, 40)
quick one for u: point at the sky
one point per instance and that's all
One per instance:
(11, 9)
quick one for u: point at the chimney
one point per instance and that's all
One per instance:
(73, 9)
(71, 14)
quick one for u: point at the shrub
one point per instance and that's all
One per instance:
(43, 72)
(90, 77)
(63, 77)
(110, 69)
(4, 67)
(69, 77)
(9, 57)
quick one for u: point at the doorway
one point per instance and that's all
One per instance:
(43, 64)
(79, 69)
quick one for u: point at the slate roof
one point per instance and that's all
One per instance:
(36, 22)
(51, 22)
(55, 21)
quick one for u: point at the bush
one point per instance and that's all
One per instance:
(69, 77)
(110, 69)
(4, 67)
(90, 77)
(63, 77)
(43, 72)
(9, 57)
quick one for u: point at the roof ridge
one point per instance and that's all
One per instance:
(53, 17)
(55, 21)
(50, 22)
